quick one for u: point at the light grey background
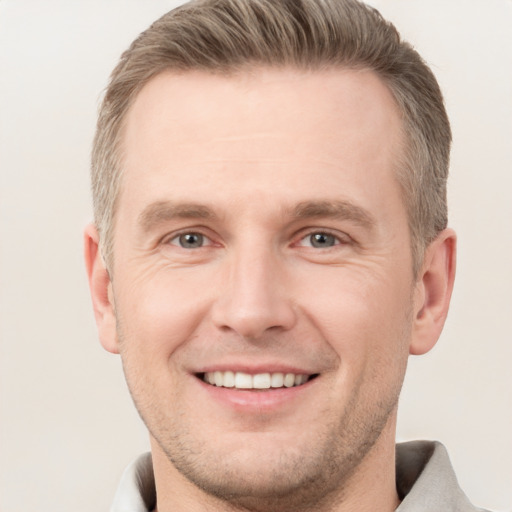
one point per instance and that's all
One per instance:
(67, 425)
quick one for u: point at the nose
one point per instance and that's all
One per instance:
(254, 298)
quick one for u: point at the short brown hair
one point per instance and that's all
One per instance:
(226, 36)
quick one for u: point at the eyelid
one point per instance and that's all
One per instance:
(341, 237)
(168, 238)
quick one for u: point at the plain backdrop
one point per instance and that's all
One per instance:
(67, 425)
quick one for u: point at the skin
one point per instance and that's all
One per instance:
(256, 164)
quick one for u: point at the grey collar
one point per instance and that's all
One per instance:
(425, 482)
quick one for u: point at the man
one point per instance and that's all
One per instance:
(270, 244)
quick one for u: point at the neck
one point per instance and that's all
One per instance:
(373, 485)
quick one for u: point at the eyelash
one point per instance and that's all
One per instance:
(188, 233)
(338, 240)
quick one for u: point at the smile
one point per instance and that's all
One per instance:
(241, 380)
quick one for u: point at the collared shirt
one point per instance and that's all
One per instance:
(424, 478)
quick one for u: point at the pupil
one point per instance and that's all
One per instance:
(191, 240)
(322, 240)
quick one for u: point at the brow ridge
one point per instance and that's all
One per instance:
(339, 209)
(164, 211)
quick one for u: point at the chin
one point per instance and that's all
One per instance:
(268, 471)
(262, 481)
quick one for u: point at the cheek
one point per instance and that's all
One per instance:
(361, 313)
(366, 321)
(159, 312)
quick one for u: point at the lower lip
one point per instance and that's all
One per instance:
(256, 401)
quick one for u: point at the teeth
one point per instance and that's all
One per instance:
(229, 380)
(261, 381)
(277, 380)
(241, 380)
(218, 378)
(289, 380)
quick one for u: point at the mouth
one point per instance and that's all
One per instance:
(258, 381)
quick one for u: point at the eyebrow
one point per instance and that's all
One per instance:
(164, 211)
(342, 210)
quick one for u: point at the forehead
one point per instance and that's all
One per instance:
(259, 130)
(180, 103)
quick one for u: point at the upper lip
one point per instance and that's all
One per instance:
(254, 369)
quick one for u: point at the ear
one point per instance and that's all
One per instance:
(433, 292)
(101, 290)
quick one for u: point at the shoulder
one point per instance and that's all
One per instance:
(136, 491)
(426, 480)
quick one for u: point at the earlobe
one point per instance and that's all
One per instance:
(101, 290)
(433, 292)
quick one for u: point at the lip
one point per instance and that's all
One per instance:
(254, 369)
(261, 401)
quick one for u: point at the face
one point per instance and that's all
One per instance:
(262, 277)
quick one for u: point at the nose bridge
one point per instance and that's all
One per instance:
(253, 298)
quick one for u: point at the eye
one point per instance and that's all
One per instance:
(190, 240)
(319, 240)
